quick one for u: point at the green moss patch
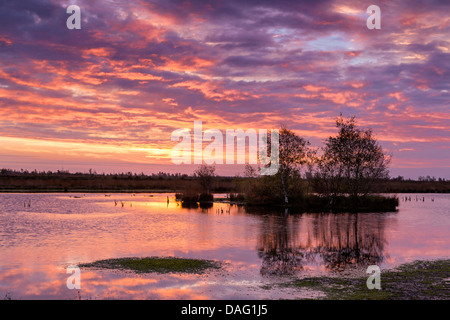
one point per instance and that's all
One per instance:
(155, 264)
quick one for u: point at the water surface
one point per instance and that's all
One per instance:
(42, 234)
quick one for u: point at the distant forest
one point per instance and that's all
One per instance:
(64, 181)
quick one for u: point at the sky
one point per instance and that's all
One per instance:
(109, 95)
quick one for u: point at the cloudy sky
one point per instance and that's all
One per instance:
(109, 95)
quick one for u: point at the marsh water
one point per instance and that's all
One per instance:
(42, 234)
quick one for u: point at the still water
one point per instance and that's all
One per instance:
(42, 234)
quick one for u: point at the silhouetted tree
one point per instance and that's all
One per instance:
(351, 161)
(205, 175)
(293, 154)
(250, 171)
(286, 183)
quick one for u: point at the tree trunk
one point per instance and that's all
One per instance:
(286, 200)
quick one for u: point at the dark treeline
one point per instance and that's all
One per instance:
(411, 186)
(60, 181)
(64, 181)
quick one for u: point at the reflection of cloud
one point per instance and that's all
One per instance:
(47, 283)
(130, 78)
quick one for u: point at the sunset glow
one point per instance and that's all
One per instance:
(108, 96)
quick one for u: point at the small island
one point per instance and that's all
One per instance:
(155, 264)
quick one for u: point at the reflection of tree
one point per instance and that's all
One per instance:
(189, 205)
(348, 239)
(205, 206)
(285, 244)
(276, 246)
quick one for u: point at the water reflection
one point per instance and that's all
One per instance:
(206, 205)
(189, 205)
(277, 245)
(56, 230)
(288, 243)
(336, 241)
(194, 205)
